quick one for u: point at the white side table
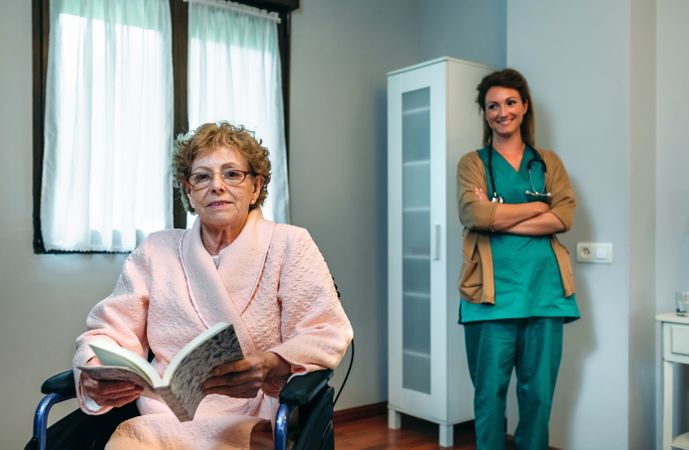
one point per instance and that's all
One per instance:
(675, 331)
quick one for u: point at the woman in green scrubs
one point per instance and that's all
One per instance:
(516, 285)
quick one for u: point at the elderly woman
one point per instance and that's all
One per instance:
(269, 280)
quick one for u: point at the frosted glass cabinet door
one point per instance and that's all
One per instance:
(416, 264)
(432, 122)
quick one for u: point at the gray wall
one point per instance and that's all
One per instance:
(44, 298)
(581, 86)
(642, 224)
(672, 161)
(341, 52)
(672, 195)
(465, 29)
(592, 68)
(338, 171)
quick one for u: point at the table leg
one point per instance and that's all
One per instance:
(668, 407)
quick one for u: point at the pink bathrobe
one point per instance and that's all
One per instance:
(271, 283)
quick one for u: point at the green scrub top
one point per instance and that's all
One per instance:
(527, 276)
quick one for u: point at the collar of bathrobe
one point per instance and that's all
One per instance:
(223, 293)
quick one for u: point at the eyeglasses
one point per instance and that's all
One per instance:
(231, 177)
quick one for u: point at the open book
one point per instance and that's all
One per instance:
(181, 385)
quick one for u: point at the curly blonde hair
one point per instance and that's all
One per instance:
(208, 137)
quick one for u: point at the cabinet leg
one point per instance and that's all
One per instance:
(394, 419)
(446, 436)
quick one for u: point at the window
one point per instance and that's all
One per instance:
(234, 74)
(105, 179)
(108, 125)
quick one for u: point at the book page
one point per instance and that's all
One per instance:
(195, 368)
(191, 346)
(111, 354)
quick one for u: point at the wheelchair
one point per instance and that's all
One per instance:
(309, 394)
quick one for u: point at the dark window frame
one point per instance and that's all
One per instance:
(179, 18)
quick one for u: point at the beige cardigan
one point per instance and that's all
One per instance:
(476, 283)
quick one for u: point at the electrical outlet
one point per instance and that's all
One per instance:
(594, 252)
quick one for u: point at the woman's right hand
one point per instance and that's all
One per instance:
(540, 207)
(109, 393)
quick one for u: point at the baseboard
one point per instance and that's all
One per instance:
(360, 412)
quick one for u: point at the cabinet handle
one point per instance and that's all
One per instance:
(435, 249)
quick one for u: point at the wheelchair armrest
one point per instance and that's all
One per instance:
(303, 388)
(61, 383)
(300, 389)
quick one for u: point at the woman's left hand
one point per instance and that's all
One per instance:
(243, 378)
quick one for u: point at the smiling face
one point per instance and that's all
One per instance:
(504, 111)
(221, 204)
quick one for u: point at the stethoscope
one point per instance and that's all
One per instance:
(542, 194)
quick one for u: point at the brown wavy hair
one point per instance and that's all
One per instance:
(508, 78)
(208, 137)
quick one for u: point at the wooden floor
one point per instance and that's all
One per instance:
(372, 433)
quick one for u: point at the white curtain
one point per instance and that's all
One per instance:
(234, 75)
(108, 124)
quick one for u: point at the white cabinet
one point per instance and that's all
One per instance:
(675, 331)
(433, 119)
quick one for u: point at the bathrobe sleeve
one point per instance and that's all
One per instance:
(120, 318)
(315, 330)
